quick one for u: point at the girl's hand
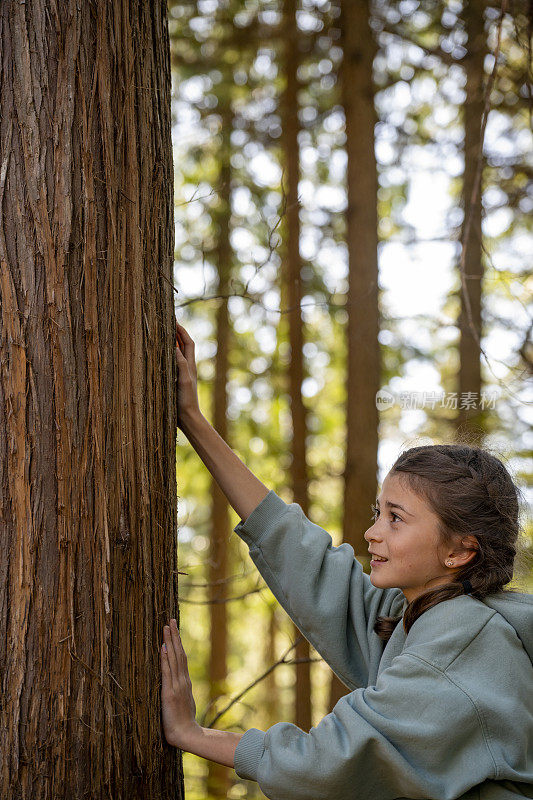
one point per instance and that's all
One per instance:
(177, 703)
(187, 378)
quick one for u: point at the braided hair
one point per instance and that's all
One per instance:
(472, 494)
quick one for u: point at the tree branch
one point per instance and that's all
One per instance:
(282, 660)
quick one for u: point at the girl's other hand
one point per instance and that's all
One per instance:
(177, 703)
(187, 377)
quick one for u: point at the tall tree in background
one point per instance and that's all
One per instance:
(291, 274)
(472, 267)
(270, 690)
(87, 399)
(218, 775)
(363, 352)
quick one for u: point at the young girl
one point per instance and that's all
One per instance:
(437, 658)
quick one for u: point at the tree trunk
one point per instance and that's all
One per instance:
(470, 415)
(290, 127)
(218, 775)
(87, 399)
(364, 367)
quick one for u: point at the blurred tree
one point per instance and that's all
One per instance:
(87, 400)
(291, 275)
(363, 351)
(218, 775)
(271, 699)
(471, 267)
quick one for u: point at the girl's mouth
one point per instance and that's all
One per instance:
(374, 562)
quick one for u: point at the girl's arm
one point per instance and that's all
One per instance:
(215, 745)
(243, 490)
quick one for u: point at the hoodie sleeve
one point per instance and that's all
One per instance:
(415, 734)
(323, 588)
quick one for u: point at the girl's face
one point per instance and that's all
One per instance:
(406, 534)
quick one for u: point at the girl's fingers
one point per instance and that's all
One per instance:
(186, 341)
(171, 655)
(178, 647)
(165, 666)
(183, 333)
(181, 343)
(180, 351)
(179, 354)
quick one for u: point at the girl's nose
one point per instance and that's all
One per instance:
(372, 533)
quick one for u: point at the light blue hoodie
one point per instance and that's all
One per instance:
(445, 712)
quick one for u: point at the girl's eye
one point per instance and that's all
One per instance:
(375, 514)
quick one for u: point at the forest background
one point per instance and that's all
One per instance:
(332, 242)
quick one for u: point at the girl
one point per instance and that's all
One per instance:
(437, 658)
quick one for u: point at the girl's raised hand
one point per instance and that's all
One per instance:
(177, 703)
(187, 378)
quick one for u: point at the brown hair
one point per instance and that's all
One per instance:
(472, 494)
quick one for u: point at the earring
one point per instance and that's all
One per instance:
(449, 563)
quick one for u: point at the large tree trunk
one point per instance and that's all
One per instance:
(87, 399)
(218, 775)
(364, 367)
(470, 415)
(293, 265)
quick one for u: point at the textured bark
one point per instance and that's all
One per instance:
(364, 365)
(87, 399)
(470, 322)
(292, 270)
(218, 775)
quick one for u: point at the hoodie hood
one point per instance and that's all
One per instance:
(517, 609)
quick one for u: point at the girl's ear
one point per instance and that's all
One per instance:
(466, 551)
